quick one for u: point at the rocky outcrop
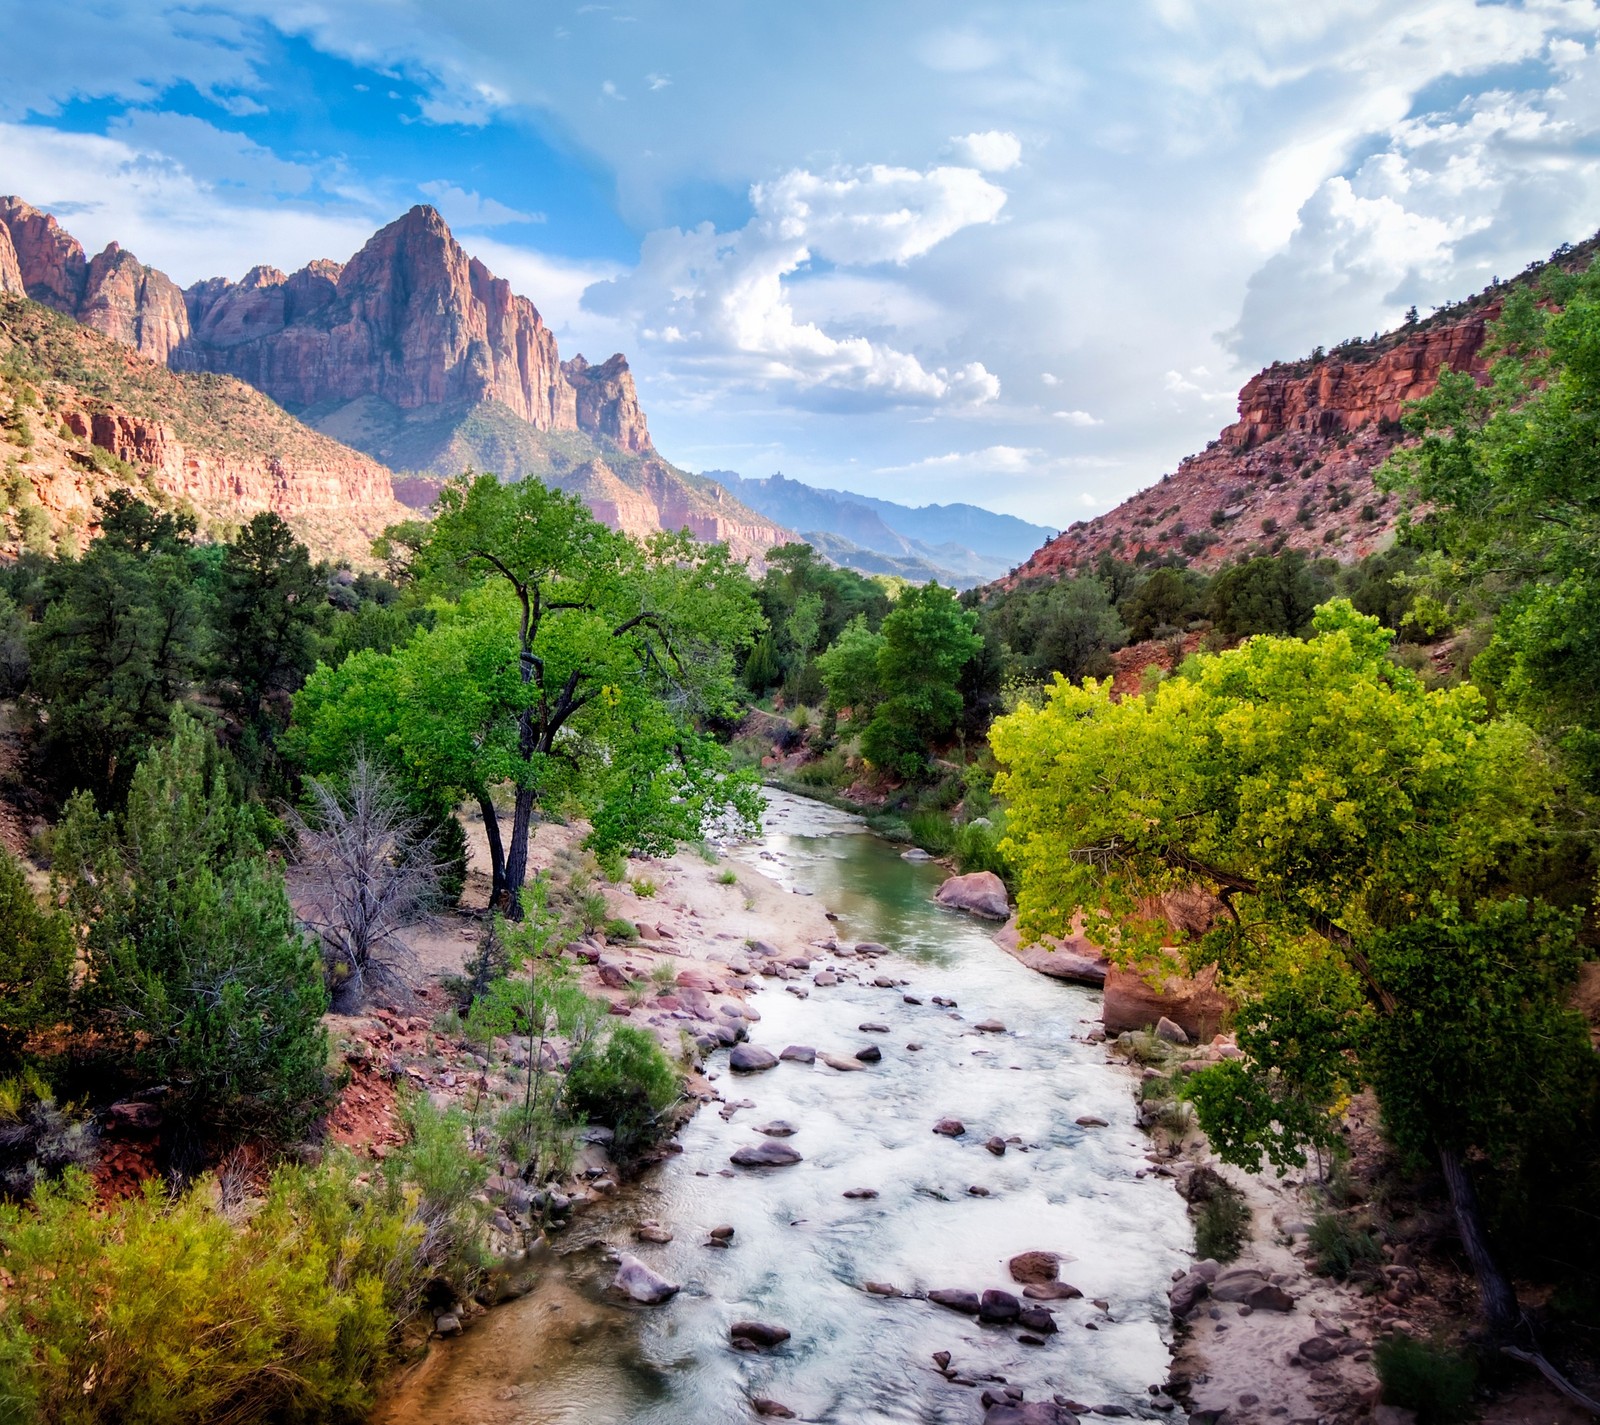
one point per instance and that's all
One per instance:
(1076, 959)
(10, 268)
(134, 304)
(1294, 471)
(53, 266)
(607, 403)
(1195, 1004)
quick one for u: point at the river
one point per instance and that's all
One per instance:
(567, 1354)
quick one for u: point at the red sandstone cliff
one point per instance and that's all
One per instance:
(10, 268)
(607, 403)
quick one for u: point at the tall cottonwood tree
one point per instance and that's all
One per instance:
(582, 664)
(1374, 844)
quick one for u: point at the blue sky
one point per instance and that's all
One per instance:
(1022, 254)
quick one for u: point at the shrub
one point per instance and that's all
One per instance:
(1221, 1224)
(35, 960)
(728, 878)
(617, 928)
(613, 865)
(1426, 1377)
(593, 911)
(664, 974)
(645, 887)
(444, 1177)
(976, 847)
(932, 831)
(625, 1081)
(289, 1316)
(39, 1138)
(1341, 1246)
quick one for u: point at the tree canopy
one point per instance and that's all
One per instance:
(1371, 843)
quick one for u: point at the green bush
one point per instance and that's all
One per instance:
(829, 770)
(728, 878)
(166, 1309)
(617, 928)
(36, 953)
(625, 1081)
(40, 1139)
(1221, 1224)
(932, 831)
(976, 847)
(1427, 1377)
(1341, 1246)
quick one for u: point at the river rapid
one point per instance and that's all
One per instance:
(570, 1354)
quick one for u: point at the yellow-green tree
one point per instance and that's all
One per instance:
(1373, 843)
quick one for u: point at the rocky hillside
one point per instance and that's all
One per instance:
(412, 352)
(1295, 470)
(81, 413)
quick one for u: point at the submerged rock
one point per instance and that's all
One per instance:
(966, 1302)
(638, 1283)
(770, 1154)
(799, 1054)
(950, 1127)
(751, 1059)
(756, 1335)
(1035, 1266)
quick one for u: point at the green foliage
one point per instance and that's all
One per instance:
(728, 878)
(807, 604)
(36, 953)
(1431, 1379)
(1164, 603)
(1341, 1246)
(118, 645)
(644, 886)
(1068, 626)
(625, 1081)
(1221, 1224)
(1371, 836)
(616, 928)
(849, 670)
(195, 973)
(1271, 594)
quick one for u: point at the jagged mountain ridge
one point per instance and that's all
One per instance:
(956, 544)
(1295, 471)
(412, 352)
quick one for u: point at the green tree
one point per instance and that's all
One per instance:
(265, 624)
(194, 969)
(612, 642)
(35, 961)
(119, 644)
(1163, 604)
(1510, 474)
(927, 640)
(849, 670)
(1275, 593)
(1370, 840)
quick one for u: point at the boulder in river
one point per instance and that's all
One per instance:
(999, 1307)
(861, 1194)
(751, 1059)
(842, 1064)
(1030, 1412)
(1036, 1318)
(770, 1154)
(778, 1128)
(756, 1335)
(651, 1231)
(979, 893)
(990, 1026)
(1076, 960)
(950, 1127)
(966, 1302)
(1035, 1266)
(799, 1054)
(638, 1283)
(770, 1409)
(869, 1055)
(871, 1027)
(1051, 1291)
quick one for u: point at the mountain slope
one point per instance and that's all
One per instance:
(81, 413)
(959, 544)
(1295, 470)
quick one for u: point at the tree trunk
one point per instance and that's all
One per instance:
(1495, 1293)
(497, 851)
(517, 856)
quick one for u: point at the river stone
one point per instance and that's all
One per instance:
(1319, 1350)
(989, 1026)
(652, 1231)
(870, 1027)
(825, 979)
(871, 947)
(843, 1065)
(999, 1307)
(751, 1059)
(1186, 1294)
(942, 1360)
(447, 1323)
(884, 982)
(778, 1128)
(916, 853)
(966, 1302)
(1035, 1266)
(980, 893)
(1172, 1033)
(1089, 1120)
(770, 1154)
(997, 1146)
(879, 1289)
(950, 1127)
(771, 1409)
(861, 1194)
(638, 1283)
(1036, 1318)
(1031, 1412)
(1051, 1291)
(756, 1335)
(724, 1033)
(764, 947)
(869, 1055)
(944, 1002)
(799, 1054)
(724, 1233)
(978, 1190)
(1250, 1289)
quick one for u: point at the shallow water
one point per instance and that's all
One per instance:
(568, 1355)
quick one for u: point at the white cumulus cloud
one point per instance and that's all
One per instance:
(994, 151)
(725, 299)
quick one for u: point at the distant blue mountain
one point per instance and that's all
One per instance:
(956, 544)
